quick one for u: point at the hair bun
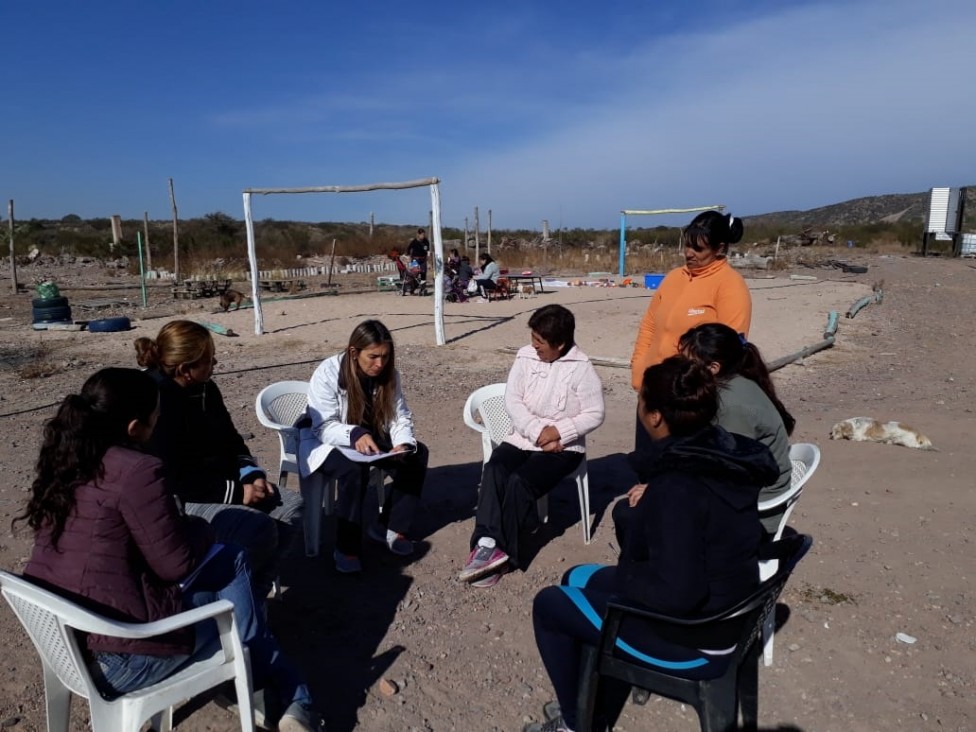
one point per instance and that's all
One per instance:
(736, 229)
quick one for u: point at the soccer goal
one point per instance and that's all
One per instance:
(435, 207)
(654, 212)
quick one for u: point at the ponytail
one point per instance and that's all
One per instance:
(718, 343)
(754, 367)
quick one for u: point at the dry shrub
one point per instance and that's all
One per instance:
(18, 357)
(577, 260)
(41, 370)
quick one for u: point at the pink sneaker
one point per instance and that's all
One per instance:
(484, 558)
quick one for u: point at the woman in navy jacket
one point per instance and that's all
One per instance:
(689, 549)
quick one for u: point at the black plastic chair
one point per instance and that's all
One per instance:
(718, 701)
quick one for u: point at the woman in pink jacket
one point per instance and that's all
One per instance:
(554, 398)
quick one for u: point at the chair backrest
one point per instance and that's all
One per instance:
(49, 620)
(751, 611)
(279, 405)
(488, 404)
(805, 458)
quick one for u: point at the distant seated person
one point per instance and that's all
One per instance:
(453, 262)
(490, 272)
(417, 250)
(455, 289)
(465, 271)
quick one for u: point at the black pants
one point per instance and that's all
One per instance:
(485, 286)
(571, 615)
(399, 506)
(513, 480)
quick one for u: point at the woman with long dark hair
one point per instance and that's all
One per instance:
(490, 272)
(691, 548)
(355, 402)
(748, 404)
(109, 535)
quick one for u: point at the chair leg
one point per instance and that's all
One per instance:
(748, 693)
(312, 489)
(588, 689)
(162, 721)
(719, 704)
(768, 635)
(57, 699)
(283, 479)
(583, 488)
(542, 507)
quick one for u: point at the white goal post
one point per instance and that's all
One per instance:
(435, 207)
(652, 212)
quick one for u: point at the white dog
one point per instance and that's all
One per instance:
(866, 429)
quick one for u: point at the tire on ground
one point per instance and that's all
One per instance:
(50, 302)
(110, 325)
(51, 315)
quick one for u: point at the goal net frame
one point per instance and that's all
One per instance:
(435, 207)
(624, 213)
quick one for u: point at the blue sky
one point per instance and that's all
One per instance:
(565, 111)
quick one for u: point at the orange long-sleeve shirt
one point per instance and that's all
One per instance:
(686, 298)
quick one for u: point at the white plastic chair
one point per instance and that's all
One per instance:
(805, 458)
(53, 624)
(488, 404)
(278, 407)
(317, 492)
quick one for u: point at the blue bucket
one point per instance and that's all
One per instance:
(652, 281)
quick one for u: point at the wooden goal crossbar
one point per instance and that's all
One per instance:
(435, 207)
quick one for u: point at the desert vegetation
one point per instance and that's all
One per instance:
(216, 241)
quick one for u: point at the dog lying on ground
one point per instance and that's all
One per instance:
(866, 429)
(231, 297)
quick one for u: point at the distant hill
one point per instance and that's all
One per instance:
(891, 208)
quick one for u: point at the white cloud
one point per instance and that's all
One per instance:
(793, 111)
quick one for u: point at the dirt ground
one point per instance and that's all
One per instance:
(892, 551)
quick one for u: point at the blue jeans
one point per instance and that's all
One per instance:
(224, 577)
(265, 536)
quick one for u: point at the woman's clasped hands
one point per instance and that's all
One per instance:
(549, 439)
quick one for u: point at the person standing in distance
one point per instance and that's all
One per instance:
(418, 249)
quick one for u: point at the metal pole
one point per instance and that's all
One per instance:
(623, 240)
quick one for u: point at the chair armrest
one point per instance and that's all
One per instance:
(117, 629)
(469, 419)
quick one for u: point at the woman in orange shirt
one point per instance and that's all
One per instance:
(705, 290)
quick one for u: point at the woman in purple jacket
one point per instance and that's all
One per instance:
(109, 535)
(554, 398)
